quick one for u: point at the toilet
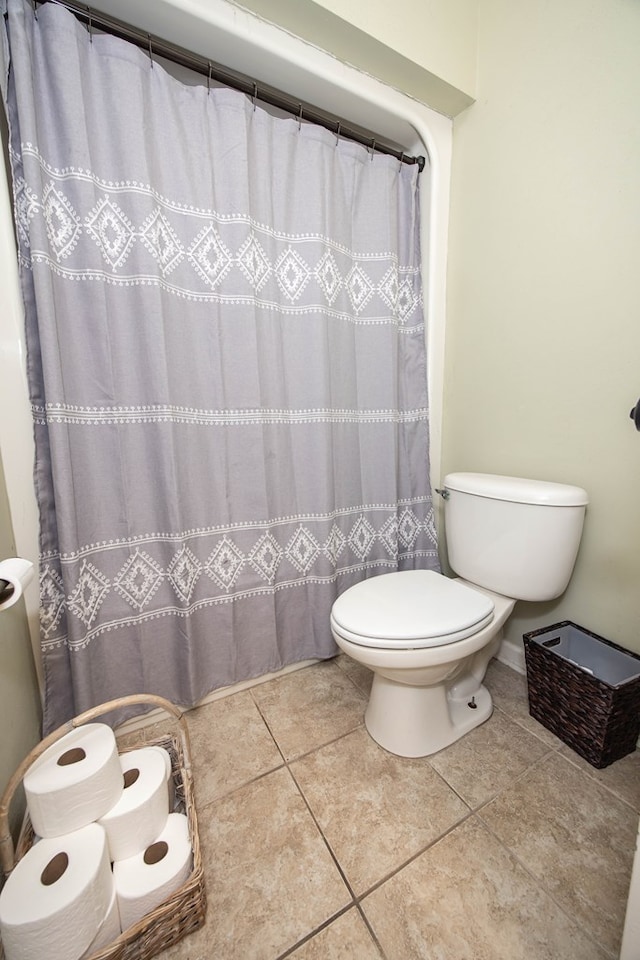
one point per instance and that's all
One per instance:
(429, 638)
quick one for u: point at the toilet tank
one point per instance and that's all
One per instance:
(517, 537)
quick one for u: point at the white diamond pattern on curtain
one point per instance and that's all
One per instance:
(226, 359)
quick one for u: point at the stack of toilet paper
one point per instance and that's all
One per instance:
(108, 850)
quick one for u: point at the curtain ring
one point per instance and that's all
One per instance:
(254, 97)
(209, 79)
(89, 25)
(373, 147)
(300, 119)
(35, 10)
(401, 161)
(150, 51)
(338, 133)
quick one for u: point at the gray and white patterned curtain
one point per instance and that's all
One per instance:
(226, 358)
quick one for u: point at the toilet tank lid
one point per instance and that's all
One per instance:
(517, 489)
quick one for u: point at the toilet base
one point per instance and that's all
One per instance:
(418, 721)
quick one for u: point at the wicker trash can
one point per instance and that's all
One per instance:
(585, 689)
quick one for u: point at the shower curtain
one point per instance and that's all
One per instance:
(226, 361)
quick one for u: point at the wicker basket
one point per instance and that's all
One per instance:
(598, 719)
(182, 912)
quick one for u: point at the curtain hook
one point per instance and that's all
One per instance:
(401, 161)
(373, 147)
(300, 119)
(255, 94)
(35, 10)
(338, 133)
(150, 51)
(89, 25)
(209, 79)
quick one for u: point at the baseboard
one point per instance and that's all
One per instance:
(512, 655)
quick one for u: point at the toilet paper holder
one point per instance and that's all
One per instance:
(6, 590)
(15, 576)
(184, 911)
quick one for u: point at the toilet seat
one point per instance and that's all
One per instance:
(410, 609)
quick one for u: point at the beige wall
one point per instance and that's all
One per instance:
(426, 48)
(439, 35)
(543, 320)
(19, 697)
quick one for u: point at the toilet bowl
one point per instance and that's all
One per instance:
(424, 631)
(429, 638)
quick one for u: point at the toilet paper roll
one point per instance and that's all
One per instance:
(55, 899)
(17, 574)
(144, 881)
(74, 782)
(169, 768)
(142, 810)
(109, 929)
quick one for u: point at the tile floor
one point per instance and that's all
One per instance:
(319, 845)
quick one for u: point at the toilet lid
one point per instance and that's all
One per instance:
(412, 608)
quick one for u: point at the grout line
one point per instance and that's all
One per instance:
(240, 786)
(475, 813)
(539, 883)
(483, 803)
(266, 723)
(328, 743)
(357, 898)
(309, 936)
(285, 761)
(371, 930)
(324, 839)
(590, 772)
(552, 746)
(346, 673)
(553, 751)
(516, 779)
(414, 856)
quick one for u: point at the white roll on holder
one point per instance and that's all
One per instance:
(15, 576)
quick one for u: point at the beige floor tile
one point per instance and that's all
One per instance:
(347, 938)
(508, 689)
(488, 758)
(375, 809)
(575, 837)
(466, 899)
(309, 707)
(131, 740)
(270, 878)
(160, 729)
(357, 672)
(230, 745)
(272, 882)
(621, 777)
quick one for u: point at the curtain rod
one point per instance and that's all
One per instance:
(229, 78)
